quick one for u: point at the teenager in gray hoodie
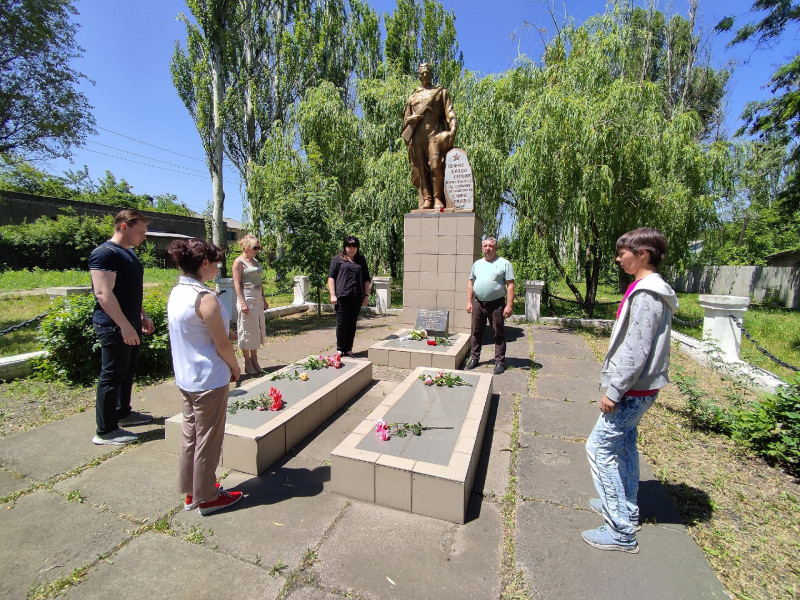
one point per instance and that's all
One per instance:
(634, 370)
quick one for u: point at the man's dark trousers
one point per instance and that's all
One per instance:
(493, 312)
(114, 385)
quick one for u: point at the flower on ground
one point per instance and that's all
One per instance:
(304, 376)
(431, 342)
(382, 430)
(277, 399)
(428, 380)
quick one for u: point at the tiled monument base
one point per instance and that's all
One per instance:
(256, 439)
(410, 354)
(439, 249)
(430, 474)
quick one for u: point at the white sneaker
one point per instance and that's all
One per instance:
(118, 437)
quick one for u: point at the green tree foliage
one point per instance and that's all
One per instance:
(417, 33)
(21, 176)
(63, 243)
(596, 155)
(198, 74)
(777, 117)
(42, 113)
(753, 223)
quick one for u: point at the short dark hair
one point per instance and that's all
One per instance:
(130, 217)
(189, 254)
(645, 238)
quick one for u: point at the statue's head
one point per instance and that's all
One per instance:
(425, 73)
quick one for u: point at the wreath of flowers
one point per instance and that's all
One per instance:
(272, 400)
(443, 379)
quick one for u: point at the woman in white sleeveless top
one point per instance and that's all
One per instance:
(250, 303)
(204, 363)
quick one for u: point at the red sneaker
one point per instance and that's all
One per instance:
(190, 504)
(224, 500)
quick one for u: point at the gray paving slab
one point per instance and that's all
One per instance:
(54, 448)
(160, 567)
(513, 381)
(310, 592)
(141, 482)
(556, 334)
(45, 538)
(553, 470)
(563, 350)
(559, 418)
(569, 367)
(12, 482)
(292, 476)
(491, 475)
(501, 412)
(269, 528)
(577, 389)
(557, 563)
(439, 559)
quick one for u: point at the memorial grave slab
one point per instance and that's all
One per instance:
(410, 354)
(255, 439)
(430, 474)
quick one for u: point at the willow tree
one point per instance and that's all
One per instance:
(198, 73)
(597, 155)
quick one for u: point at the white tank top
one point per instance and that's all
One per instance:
(197, 364)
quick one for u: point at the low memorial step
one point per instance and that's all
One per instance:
(431, 473)
(398, 350)
(255, 439)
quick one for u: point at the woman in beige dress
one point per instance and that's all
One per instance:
(250, 302)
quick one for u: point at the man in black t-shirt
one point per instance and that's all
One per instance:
(119, 321)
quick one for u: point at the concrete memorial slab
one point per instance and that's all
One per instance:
(429, 474)
(254, 439)
(459, 186)
(401, 351)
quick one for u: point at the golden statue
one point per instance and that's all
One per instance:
(429, 127)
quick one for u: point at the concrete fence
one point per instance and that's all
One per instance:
(780, 284)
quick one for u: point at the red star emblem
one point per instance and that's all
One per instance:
(456, 157)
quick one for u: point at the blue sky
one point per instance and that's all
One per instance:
(146, 135)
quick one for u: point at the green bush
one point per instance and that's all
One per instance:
(771, 426)
(73, 352)
(61, 243)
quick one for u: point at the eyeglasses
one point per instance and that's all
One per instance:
(257, 248)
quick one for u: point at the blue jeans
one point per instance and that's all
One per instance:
(614, 461)
(118, 366)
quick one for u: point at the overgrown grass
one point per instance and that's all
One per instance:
(15, 310)
(24, 279)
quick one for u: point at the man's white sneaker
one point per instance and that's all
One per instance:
(118, 437)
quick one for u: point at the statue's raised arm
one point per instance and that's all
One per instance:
(429, 128)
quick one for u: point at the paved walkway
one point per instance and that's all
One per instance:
(293, 538)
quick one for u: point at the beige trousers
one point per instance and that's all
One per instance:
(202, 432)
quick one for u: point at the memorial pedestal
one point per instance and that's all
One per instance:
(256, 439)
(430, 474)
(439, 249)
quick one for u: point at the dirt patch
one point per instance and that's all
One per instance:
(743, 513)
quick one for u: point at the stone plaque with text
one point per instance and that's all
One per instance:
(433, 320)
(459, 187)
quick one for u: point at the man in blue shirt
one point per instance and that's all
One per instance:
(490, 296)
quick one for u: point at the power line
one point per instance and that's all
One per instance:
(145, 164)
(147, 157)
(229, 169)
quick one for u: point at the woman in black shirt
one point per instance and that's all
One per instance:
(348, 283)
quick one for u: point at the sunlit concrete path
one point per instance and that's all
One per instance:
(113, 515)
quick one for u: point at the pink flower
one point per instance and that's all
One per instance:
(382, 430)
(439, 374)
(261, 408)
(428, 380)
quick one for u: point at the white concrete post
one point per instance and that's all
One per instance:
(302, 288)
(227, 295)
(383, 294)
(533, 299)
(719, 328)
